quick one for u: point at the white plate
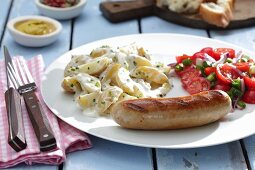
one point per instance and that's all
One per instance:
(234, 126)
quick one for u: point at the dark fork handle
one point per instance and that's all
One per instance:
(16, 136)
(39, 121)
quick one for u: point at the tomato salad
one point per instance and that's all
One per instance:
(221, 69)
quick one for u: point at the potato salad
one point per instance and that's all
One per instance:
(108, 75)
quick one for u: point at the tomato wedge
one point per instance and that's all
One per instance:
(249, 96)
(197, 85)
(219, 51)
(197, 55)
(249, 82)
(179, 59)
(244, 67)
(208, 50)
(209, 70)
(226, 73)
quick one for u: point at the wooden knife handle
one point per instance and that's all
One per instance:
(117, 11)
(16, 136)
(39, 121)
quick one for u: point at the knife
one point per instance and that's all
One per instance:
(16, 136)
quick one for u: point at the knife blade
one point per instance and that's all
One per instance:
(16, 136)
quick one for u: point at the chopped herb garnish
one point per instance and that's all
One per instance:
(229, 60)
(241, 104)
(211, 77)
(97, 84)
(134, 63)
(88, 68)
(178, 67)
(94, 100)
(103, 102)
(205, 64)
(237, 84)
(72, 85)
(97, 61)
(187, 62)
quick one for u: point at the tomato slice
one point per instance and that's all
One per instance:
(209, 70)
(197, 85)
(219, 51)
(208, 50)
(186, 69)
(244, 67)
(188, 76)
(249, 82)
(179, 59)
(225, 73)
(222, 87)
(249, 96)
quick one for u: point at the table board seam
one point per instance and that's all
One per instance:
(5, 22)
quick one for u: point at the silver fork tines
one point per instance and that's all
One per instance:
(21, 77)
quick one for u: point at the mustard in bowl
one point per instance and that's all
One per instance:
(34, 31)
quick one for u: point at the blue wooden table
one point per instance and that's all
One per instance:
(91, 26)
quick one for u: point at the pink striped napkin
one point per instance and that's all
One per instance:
(68, 138)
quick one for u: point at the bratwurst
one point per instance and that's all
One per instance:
(172, 113)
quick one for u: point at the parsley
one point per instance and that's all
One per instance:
(97, 84)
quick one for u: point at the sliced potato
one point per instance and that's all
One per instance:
(150, 74)
(110, 72)
(142, 61)
(70, 84)
(108, 97)
(98, 52)
(88, 100)
(125, 96)
(88, 83)
(124, 81)
(93, 67)
(162, 67)
(75, 61)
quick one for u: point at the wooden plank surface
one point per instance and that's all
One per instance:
(188, 158)
(33, 167)
(4, 9)
(51, 52)
(225, 157)
(107, 155)
(91, 26)
(244, 38)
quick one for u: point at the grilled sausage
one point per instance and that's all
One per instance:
(172, 113)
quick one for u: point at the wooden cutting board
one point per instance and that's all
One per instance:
(118, 11)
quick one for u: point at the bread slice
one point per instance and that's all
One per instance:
(218, 14)
(181, 6)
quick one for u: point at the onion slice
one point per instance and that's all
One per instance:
(222, 59)
(238, 56)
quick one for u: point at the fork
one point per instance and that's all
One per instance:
(25, 84)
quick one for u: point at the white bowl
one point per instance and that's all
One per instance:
(34, 40)
(61, 13)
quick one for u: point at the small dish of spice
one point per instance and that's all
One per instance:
(34, 31)
(60, 9)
